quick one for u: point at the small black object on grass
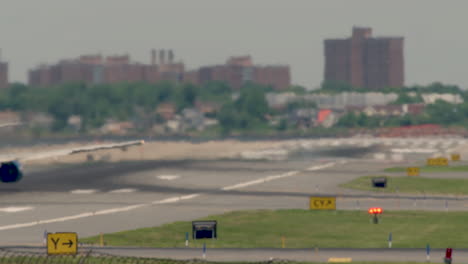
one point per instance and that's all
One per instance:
(204, 229)
(379, 182)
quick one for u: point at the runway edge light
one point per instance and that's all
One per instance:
(448, 256)
(375, 211)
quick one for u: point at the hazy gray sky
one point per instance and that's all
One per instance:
(205, 32)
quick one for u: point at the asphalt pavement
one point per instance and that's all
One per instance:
(266, 254)
(110, 197)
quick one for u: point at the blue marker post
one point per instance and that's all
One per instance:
(428, 253)
(186, 239)
(44, 239)
(390, 240)
(204, 250)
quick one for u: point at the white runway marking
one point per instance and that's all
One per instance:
(413, 150)
(84, 191)
(177, 199)
(157, 202)
(258, 181)
(13, 209)
(321, 167)
(168, 177)
(380, 156)
(125, 190)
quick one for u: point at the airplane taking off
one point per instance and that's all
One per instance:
(10, 167)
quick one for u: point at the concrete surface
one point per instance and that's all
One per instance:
(116, 196)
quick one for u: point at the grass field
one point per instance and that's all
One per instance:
(308, 229)
(422, 169)
(415, 185)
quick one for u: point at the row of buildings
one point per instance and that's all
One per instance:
(360, 60)
(239, 70)
(96, 69)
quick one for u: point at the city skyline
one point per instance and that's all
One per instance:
(206, 32)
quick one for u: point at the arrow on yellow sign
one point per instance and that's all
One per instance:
(62, 243)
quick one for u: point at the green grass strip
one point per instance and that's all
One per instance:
(309, 229)
(460, 168)
(413, 185)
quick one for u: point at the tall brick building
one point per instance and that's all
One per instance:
(95, 69)
(3, 74)
(365, 61)
(239, 70)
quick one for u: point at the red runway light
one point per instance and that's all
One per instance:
(375, 210)
(448, 253)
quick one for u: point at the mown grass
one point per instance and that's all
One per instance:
(459, 168)
(308, 229)
(412, 184)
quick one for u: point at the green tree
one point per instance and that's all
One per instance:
(252, 101)
(247, 112)
(336, 86)
(405, 98)
(227, 118)
(282, 125)
(442, 112)
(189, 94)
(348, 120)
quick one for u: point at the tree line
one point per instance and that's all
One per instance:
(440, 112)
(132, 101)
(241, 110)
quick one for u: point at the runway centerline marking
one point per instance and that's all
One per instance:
(158, 202)
(168, 177)
(14, 209)
(84, 191)
(125, 190)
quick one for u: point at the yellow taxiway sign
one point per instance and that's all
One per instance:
(412, 171)
(323, 203)
(62, 243)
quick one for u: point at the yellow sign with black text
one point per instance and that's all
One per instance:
(323, 203)
(412, 171)
(455, 157)
(437, 162)
(62, 243)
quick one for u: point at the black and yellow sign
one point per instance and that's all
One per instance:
(412, 171)
(323, 203)
(62, 243)
(437, 162)
(455, 157)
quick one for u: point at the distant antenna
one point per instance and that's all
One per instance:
(153, 57)
(162, 57)
(171, 56)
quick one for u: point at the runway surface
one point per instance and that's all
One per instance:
(110, 197)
